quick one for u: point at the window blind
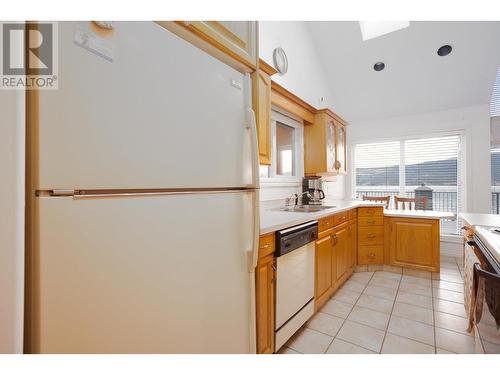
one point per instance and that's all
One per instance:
(495, 97)
(495, 181)
(433, 164)
(377, 169)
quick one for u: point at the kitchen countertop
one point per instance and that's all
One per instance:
(419, 214)
(272, 219)
(485, 220)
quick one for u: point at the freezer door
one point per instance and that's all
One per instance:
(146, 274)
(161, 114)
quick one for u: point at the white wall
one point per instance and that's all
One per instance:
(305, 78)
(11, 221)
(306, 73)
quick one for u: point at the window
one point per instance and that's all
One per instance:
(377, 169)
(495, 180)
(429, 167)
(284, 150)
(287, 156)
(495, 97)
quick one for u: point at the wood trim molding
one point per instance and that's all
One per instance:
(266, 68)
(210, 46)
(283, 98)
(332, 114)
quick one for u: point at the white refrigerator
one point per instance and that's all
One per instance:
(146, 204)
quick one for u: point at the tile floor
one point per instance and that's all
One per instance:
(390, 312)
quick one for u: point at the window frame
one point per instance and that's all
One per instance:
(280, 116)
(461, 184)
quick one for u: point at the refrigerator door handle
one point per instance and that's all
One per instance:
(256, 232)
(251, 125)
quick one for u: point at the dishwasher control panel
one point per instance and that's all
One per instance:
(293, 238)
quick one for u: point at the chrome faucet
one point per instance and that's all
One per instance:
(295, 198)
(288, 200)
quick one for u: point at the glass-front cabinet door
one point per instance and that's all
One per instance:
(330, 146)
(340, 163)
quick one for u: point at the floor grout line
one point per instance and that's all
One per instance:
(433, 318)
(390, 315)
(357, 299)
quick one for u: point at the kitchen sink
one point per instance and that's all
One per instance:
(305, 208)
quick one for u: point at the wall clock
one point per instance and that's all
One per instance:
(280, 60)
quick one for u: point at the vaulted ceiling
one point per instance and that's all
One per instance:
(415, 78)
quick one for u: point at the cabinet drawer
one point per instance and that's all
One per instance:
(353, 214)
(325, 223)
(266, 245)
(370, 220)
(370, 254)
(341, 218)
(370, 211)
(371, 235)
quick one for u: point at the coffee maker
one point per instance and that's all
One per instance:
(313, 186)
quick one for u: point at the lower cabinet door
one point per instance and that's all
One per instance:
(353, 244)
(414, 243)
(264, 288)
(342, 249)
(323, 271)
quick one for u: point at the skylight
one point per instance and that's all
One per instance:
(373, 29)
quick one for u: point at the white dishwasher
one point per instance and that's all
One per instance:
(294, 279)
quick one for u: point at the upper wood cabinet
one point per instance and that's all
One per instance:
(234, 42)
(341, 153)
(261, 98)
(325, 151)
(236, 38)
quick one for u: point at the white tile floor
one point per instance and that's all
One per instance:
(387, 312)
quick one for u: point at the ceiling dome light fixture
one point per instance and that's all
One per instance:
(444, 50)
(379, 66)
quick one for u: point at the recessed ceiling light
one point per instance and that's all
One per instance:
(373, 29)
(444, 50)
(379, 66)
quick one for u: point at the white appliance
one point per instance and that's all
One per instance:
(147, 199)
(294, 279)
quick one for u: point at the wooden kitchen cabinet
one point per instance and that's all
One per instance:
(325, 269)
(370, 233)
(342, 250)
(353, 245)
(341, 142)
(261, 98)
(238, 40)
(325, 145)
(265, 295)
(413, 243)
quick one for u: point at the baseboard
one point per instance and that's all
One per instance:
(451, 247)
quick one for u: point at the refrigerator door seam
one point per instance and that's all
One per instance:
(130, 193)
